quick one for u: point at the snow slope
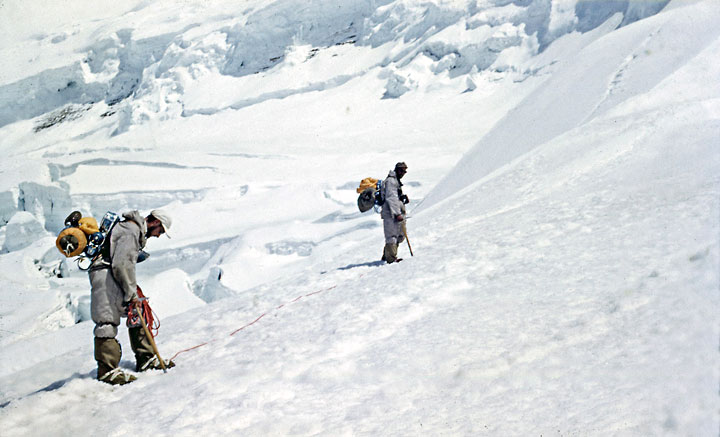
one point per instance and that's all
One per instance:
(601, 76)
(565, 277)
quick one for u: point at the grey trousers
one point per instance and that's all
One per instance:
(106, 303)
(393, 231)
(106, 309)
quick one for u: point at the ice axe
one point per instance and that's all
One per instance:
(152, 340)
(406, 238)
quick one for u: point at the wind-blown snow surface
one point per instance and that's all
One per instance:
(565, 278)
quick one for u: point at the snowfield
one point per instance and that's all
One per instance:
(564, 178)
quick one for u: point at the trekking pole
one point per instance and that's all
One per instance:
(407, 239)
(152, 340)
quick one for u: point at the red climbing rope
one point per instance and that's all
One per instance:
(133, 320)
(254, 321)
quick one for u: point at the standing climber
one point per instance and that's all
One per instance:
(114, 288)
(393, 212)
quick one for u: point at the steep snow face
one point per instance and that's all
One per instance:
(617, 67)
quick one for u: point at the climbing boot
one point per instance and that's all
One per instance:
(107, 355)
(145, 358)
(153, 364)
(141, 346)
(390, 253)
(117, 377)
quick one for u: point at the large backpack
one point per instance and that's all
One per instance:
(82, 235)
(371, 194)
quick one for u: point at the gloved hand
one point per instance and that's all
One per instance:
(127, 303)
(133, 308)
(399, 218)
(404, 199)
(142, 256)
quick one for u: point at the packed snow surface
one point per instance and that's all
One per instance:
(564, 178)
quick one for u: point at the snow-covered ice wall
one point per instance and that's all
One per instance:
(123, 61)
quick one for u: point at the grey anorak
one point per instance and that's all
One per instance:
(392, 207)
(113, 280)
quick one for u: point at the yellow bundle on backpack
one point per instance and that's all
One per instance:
(366, 183)
(71, 242)
(74, 238)
(89, 225)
